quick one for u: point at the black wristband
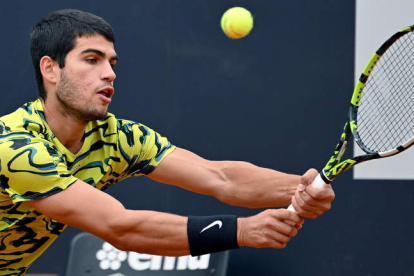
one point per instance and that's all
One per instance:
(211, 234)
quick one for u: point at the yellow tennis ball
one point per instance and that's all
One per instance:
(237, 22)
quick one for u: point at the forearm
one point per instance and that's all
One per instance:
(84, 207)
(150, 232)
(247, 185)
(233, 182)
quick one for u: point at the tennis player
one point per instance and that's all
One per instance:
(59, 152)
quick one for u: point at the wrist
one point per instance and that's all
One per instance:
(210, 234)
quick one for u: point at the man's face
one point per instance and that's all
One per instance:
(85, 86)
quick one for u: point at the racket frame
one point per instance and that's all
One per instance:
(334, 166)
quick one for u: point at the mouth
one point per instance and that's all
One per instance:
(107, 92)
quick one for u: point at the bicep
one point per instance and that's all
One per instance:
(187, 170)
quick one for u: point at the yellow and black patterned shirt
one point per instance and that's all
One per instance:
(35, 165)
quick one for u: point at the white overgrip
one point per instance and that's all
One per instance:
(317, 183)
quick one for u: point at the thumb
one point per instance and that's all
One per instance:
(307, 179)
(301, 187)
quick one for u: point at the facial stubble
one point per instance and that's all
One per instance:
(73, 104)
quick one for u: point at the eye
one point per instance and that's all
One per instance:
(113, 63)
(91, 60)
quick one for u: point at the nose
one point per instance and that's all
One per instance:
(108, 73)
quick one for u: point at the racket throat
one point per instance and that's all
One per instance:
(342, 150)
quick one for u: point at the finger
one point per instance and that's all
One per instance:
(308, 177)
(284, 214)
(278, 238)
(298, 226)
(295, 204)
(326, 194)
(302, 211)
(272, 238)
(277, 245)
(309, 203)
(283, 224)
(284, 228)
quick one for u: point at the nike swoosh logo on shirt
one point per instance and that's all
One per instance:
(217, 222)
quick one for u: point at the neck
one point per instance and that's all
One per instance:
(67, 129)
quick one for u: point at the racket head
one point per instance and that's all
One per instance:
(382, 107)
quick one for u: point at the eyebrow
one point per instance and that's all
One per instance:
(99, 53)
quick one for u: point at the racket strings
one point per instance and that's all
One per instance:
(386, 110)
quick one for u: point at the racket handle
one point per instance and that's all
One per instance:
(317, 183)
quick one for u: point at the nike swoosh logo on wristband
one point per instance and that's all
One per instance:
(217, 222)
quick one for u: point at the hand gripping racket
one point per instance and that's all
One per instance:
(381, 114)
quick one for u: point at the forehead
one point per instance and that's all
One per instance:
(97, 42)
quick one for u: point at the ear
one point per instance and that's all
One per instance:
(50, 69)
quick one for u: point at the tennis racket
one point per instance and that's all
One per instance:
(381, 114)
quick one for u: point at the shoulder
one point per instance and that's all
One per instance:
(26, 111)
(26, 119)
(26, 150)
(24, 129)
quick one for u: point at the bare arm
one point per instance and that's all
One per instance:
(98, 213)
(233, 182)
(243, 184)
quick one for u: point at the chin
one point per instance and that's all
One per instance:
(93, 116)
(101, 116)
